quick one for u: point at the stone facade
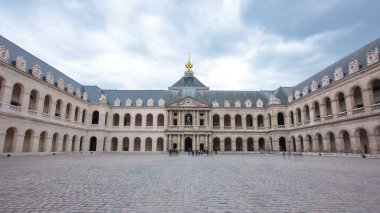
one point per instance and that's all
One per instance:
(40, 117)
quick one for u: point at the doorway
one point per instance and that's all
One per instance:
(188, 144)
(174, 146)
(202, 146)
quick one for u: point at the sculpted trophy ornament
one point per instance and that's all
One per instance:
(248, 103)
(70, 88)
(103, 99)
(85, 96)
(78, 93)
(297, 94)
(372, 56)
(21, 63)
(274, 100)
(325, 80)
(338, 74)
(237, 104)
(128, 102)
(161, 102)
(226, 103)
(259, 103)
(215, 103)
(290, 98)
(117, 102)
(139, 102)
(4, 53)
(61, 83)
(353, 66)
(150, 102)
(36, 71)
(49, 78)
(305, 90)
(314, 85)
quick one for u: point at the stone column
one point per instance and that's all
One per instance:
(326, 144)
(6, 95)
(221, 122)
(143, 121)
(256, 145)
(305, 144)
(133, 121)
(244, 145)
(366, 96)
(59, 144)
(25, 98)
(131, 145)
(119, 145)
(142, 147)
(2, 141)
(244, 122)
(222, 145)
(233, 122)
(355, 143)
(180, 118)
(276, 146)
(373, 144)
(48, 143)
(322, 111)
(350, 102)
(155, 119)
(334, 108)
(233, 144)
(312, 117)
(154, 145)
(40, 105)
(18, 142)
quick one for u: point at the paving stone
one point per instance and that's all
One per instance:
(159, 183)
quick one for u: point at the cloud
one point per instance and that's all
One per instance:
(235, 45)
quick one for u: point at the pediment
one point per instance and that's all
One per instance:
(188, 102)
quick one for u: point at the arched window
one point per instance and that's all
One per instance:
(227, 144)
(260, 121)
(238, 121)
(291, 117)
(307, 112)
(126, 144)
(47, 104)
(138, 121)
(331, 138)
(127, 119)
(148, 144)
(261, 144)
(328, 107)
(65, 142)
(239, 144)
(280, 119)
(149, 120)
(58, 108)
(76, 114)
(346, 142)
(27, 145)
(54, 144)
(16, 95)
(42, 142)
(249, 121)
(341, 102)
(316, 110)
(93, 143)
(68, 111)
(116, 119)
(250, 147)
(114, 143)
(215, 120)
(358, 99)
(227, 121)
(137, 144)
(216, 144)
(33, 99)
(270, 120)
(84, 116)
(376, 91)
(9, 145)
(299, 115)
(300, 138)
(95, 117)
(160, 120)
(160, 144)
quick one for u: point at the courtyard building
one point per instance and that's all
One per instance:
(44, 111)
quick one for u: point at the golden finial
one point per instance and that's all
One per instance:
(189, 66)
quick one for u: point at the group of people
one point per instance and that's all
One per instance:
(197, 152)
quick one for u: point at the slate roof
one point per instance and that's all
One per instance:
(179, 90)
(31, 60)
(360, 55)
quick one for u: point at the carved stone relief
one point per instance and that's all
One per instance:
(50, 78)
(290, 98)
(139, 102)
(353, 66)
(103, 99)
(36, 71)
(237, 104)
(338, 74)
(215, 104)
(61, 83)
(85, 96)
(314, 85)
(21, 63)
(325, 80)
(248, 103)
(372, 56)
(150, 103)
(78, 93)
(70, 88)
(128, 103)
(117, 102)
(259, 103)
(4, 53)
(161, 102)
(227, 103)
(274, 100)
(305, 91)
(297, 94)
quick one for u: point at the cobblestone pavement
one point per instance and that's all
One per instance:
(159, 183)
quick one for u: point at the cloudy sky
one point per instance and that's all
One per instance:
(234, 45)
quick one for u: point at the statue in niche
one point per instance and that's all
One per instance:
(188, 120)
